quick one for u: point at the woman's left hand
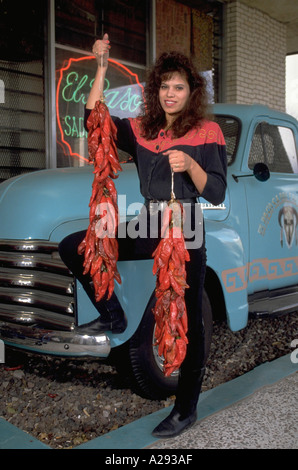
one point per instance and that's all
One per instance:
(179, 161)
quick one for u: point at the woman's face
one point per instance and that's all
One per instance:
(173, 95)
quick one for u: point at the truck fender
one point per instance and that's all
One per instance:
(134, 293)
(226, 258)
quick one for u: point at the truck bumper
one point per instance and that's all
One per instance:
(38, 302)
(60, 343)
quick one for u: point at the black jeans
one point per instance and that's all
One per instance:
(142, 248)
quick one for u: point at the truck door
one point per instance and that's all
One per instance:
(273, 208)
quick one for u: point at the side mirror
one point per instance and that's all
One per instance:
(261, 172)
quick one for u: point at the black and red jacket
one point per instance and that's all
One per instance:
(205, 145)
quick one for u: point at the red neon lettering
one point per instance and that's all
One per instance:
(132, 78)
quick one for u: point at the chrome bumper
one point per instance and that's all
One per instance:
(38, 302)
(64, 343)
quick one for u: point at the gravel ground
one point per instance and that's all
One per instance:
(64, 403)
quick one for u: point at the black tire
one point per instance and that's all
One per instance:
(144, 361)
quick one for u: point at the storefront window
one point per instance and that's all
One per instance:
(78, 24)
(56, 36)
(22, 108)
(123, 93)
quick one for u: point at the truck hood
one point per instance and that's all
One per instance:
(35, 204)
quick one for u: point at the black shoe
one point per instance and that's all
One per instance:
(99, 326)
(174, 424)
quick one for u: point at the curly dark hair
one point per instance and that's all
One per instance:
(153, 116)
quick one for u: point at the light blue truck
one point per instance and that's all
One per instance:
(252, 248)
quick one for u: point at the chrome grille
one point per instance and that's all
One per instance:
(36, 288)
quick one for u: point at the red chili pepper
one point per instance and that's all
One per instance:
(13, 368)
(96, 264)
(102, 149)
(170, 310)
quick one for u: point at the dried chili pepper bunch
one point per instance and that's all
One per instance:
(100, 246)
(170, 309)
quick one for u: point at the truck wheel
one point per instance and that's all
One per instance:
(146, 365)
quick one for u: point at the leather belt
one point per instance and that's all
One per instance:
(155, 205)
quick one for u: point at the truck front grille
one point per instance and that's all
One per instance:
(36, 288)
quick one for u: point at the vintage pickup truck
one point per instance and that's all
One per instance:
(252, 246)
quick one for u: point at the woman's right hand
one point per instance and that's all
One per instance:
(101, 51)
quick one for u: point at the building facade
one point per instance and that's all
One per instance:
(46, 65)
(255, 52)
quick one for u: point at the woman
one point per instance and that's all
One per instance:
(172, 136)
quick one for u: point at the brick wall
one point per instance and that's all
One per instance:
(184, 29)
(254, 58)
(173, 27)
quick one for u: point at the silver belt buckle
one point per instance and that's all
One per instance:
(155, 206)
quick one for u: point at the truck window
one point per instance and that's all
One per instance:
(274, 146)
(231, 130)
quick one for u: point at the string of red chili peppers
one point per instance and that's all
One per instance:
(100, 246)
(170, 309)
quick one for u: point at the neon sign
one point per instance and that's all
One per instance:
(74, 84)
